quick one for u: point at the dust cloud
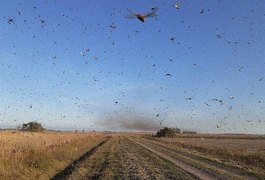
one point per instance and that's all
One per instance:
(129, 123)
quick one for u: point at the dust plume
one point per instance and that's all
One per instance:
(131, 123)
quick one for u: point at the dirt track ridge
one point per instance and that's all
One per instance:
(72, 166)
(200, 169)
(190, 169)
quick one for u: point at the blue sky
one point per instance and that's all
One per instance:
(217, 53)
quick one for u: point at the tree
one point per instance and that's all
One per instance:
(166, 132)
(32, 126)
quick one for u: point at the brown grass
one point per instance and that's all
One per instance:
(223, 143)
(247, 152)
(26, 155)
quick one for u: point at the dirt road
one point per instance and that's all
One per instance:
(130, 157)
(195, 164)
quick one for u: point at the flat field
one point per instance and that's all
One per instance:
(69, 155)
(25, 155)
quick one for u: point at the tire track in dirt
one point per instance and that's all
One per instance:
(228, 170)
(141, 164)
(72, 167)
(121, 158)
(200, 168)
(199, 173)
(132, 163)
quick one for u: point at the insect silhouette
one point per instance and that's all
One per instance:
(142, 17)
(177, 5)
(189, 98)
(10, 20)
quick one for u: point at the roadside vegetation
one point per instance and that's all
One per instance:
(34, 155)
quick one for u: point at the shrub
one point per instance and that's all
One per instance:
(166, 132)
(32, 126)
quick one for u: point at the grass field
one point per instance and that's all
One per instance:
(25, 155)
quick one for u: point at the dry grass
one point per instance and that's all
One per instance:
(244, 151)
(223, 143)
(25, 155)
(222, 136)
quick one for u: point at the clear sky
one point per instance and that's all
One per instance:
(82, 65)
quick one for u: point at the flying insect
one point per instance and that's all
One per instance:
(142, 17)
